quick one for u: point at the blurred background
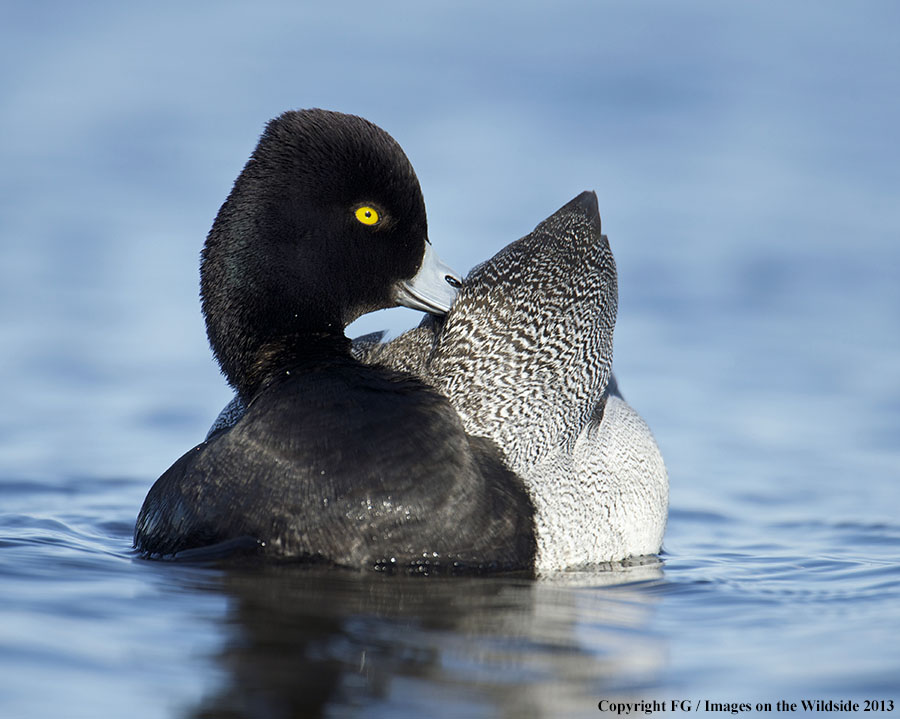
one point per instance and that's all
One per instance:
(747, 164)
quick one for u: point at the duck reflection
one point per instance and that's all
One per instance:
(302, 642)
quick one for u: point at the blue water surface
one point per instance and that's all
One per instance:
(747, 163)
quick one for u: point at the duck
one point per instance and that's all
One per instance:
(524, 356)
(332, 461)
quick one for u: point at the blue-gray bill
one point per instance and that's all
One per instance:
(432, 289)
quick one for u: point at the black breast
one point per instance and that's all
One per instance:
(350, 465)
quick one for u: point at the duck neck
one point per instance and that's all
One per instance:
(289, 353)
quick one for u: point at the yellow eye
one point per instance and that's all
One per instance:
(367, 215)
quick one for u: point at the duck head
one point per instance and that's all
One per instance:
(325, 223)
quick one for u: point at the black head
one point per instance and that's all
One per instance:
(322, 223)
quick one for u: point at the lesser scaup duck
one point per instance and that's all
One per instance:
(525, 357)
(333, 461)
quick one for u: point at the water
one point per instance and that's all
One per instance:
(746, 161)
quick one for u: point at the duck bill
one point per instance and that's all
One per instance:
(432, 289)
